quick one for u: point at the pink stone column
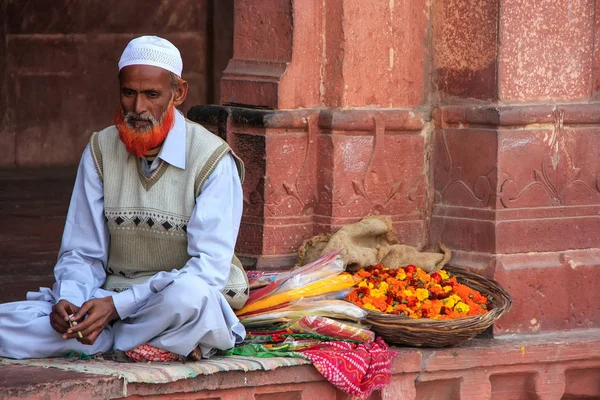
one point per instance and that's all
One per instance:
(341, 133)
(516, 162)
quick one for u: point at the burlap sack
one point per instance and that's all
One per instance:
(372, 241)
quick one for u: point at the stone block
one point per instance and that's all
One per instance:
(222, 40)
(74, 17)
(513, 386)
(383, 53)
(248, 91)
(44, 54)
(290, 188)
(256, 20)
(438, 389)
(551, 234)
(550, 167)
(464, 233)
(379, 174)
(57, 132)
(285, 239)
(546, 50)
(465, 171)
(465, 48)
(582, 383)
(250, 239)
(300, 86)
(252, 150)
(551, 292)
(596, 79)
(7, 133)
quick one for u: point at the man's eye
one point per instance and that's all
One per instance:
(127, 93)
(152, 95)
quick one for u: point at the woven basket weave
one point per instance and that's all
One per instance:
(425, 332)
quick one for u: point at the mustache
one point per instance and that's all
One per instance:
(132, 117)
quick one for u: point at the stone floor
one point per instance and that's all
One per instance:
(543, 367)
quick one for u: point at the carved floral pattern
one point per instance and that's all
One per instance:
(556, 176)
(300, 188)
(481, 193)
(377, 185)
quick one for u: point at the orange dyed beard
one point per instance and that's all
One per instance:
(140, 141)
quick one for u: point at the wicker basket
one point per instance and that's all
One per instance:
(427, 332)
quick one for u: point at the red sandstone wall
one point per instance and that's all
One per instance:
(59, 63)
(516, 176)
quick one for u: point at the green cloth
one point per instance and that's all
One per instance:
(261, 351)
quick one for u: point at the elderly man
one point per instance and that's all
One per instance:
(149, 237)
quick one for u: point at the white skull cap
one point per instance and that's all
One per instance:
(154, 51)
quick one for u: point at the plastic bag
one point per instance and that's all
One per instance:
(330, 308)
(328, 327)
(329, 285)
(295, 275)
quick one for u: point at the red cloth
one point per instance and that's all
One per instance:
(355, 369)
(146, 352)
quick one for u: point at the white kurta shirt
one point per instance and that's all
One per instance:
(212, 230)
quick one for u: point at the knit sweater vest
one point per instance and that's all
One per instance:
(147, 216)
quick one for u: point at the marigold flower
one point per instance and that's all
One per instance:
(422, 294)
(461, 307)
(412, 292)
(400, 274)
(369, 307)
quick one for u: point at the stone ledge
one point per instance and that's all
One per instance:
(549, 366)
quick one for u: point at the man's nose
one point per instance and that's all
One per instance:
(139, 104)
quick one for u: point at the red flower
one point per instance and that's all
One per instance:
(436, 277)
(410, 269)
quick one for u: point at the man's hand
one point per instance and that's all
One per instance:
(97, 313)
(59, 317)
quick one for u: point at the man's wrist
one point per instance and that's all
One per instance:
(124, 303)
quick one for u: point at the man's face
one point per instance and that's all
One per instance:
(145, 95)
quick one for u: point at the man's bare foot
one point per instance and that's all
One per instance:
(195, 355)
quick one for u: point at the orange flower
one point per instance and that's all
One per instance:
(412, 292)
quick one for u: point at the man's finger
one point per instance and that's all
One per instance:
(91, 339)
(83, 325)
(82, 311)
(61, 309)
(59, 324)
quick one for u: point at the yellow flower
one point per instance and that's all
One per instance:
(371, 286)
(451, 301)
(447, 289)
(401, 274)
(444, 274)
(389, 309)
(369, 306)
(461, 307)
(408, 293)
(362, 284)
(422, 294)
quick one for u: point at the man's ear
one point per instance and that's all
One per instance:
(180, 93)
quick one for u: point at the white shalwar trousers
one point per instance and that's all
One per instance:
(186, 313)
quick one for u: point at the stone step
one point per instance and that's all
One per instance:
(545, 366)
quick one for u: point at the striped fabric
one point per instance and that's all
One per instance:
(161, 372)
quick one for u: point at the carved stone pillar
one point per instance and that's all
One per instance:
(315, 159)
(516, 154)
